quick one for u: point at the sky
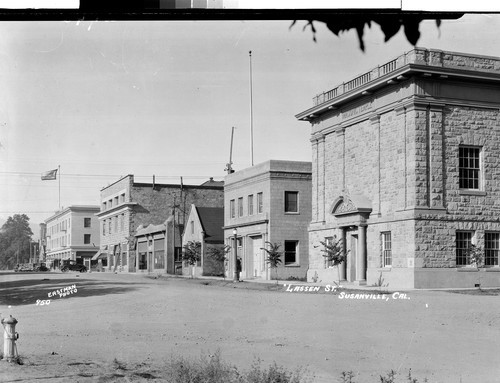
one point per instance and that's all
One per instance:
(106, 99)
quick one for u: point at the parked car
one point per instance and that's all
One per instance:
(24, 267)
(41, 267)
(73, 266)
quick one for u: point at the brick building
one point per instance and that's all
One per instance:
(131, 218)
(72, 233)
(269, 202)
(406, 170)
(204, 225)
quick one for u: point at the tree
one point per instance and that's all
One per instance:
(476, 258)
(219, 255)
(334, 253)
(15, 238)
(192, 254)
(273, 258)
(390, 23)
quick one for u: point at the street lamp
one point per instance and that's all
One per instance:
(236, 276)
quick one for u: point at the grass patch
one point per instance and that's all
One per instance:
(493, 292)
(212, 369)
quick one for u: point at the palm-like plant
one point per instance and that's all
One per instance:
(476, 258)
(192, 254)
(334, 253)
(273, 258)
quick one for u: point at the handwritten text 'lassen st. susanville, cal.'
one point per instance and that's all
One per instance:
(343, 294)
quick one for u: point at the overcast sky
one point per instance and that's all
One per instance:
(106, 99)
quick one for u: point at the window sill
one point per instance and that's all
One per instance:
(471, 192)
(292, 213)
(492, 269)
(384, 269)
(292, 265)
(466, 269)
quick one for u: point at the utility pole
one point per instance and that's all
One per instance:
(229, 167)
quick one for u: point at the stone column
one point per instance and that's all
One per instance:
(361, 256)
(375, 121)
(321, 179)
(436, 176)
(315, 177)
(342, 266)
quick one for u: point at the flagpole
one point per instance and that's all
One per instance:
(251, 106)
(59, 171)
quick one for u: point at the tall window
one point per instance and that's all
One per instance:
(386, 249)
(250, 204)
(491, 248)
(260, 203)
(109, 225)
(104, 227)
(291, 202)
(116, 223)
(291, 252)
(240, 207)
(231, 208)
(86, 222)
(86, 239)
(463, 241)
(469, 167)
(122, 222)
(192, 227)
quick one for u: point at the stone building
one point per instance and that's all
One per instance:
(204, 226)
(72, 233)
(269, 202)
(141, 224)
(406, 170)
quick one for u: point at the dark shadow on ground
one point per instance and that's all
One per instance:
(28, 291)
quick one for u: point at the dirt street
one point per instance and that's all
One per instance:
(142, 322)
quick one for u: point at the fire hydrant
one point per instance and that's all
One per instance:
(9, 339)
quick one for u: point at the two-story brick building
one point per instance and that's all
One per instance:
(269, 202)
(406, 170)
(72, 233)
(135, 219)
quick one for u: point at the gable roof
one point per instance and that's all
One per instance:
(212, 221)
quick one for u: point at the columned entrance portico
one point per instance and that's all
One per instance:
(351, 212)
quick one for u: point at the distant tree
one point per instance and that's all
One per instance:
(273, 258)
(390, 23)
(192, 254)
(15, 238)
(334, 253)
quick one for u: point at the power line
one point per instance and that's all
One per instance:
(105, 175)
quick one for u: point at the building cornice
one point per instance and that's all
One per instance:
(416, 63)
(116, 209)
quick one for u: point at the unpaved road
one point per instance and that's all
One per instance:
(143, 322)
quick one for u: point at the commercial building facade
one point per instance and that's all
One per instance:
(71, 234)
(406, 171)
(135, 220)
(269, 203)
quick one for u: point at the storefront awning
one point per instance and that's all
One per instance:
(100, 255)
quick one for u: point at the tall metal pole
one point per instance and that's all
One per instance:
(59, 171)
(236, 276)
(251, 106)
